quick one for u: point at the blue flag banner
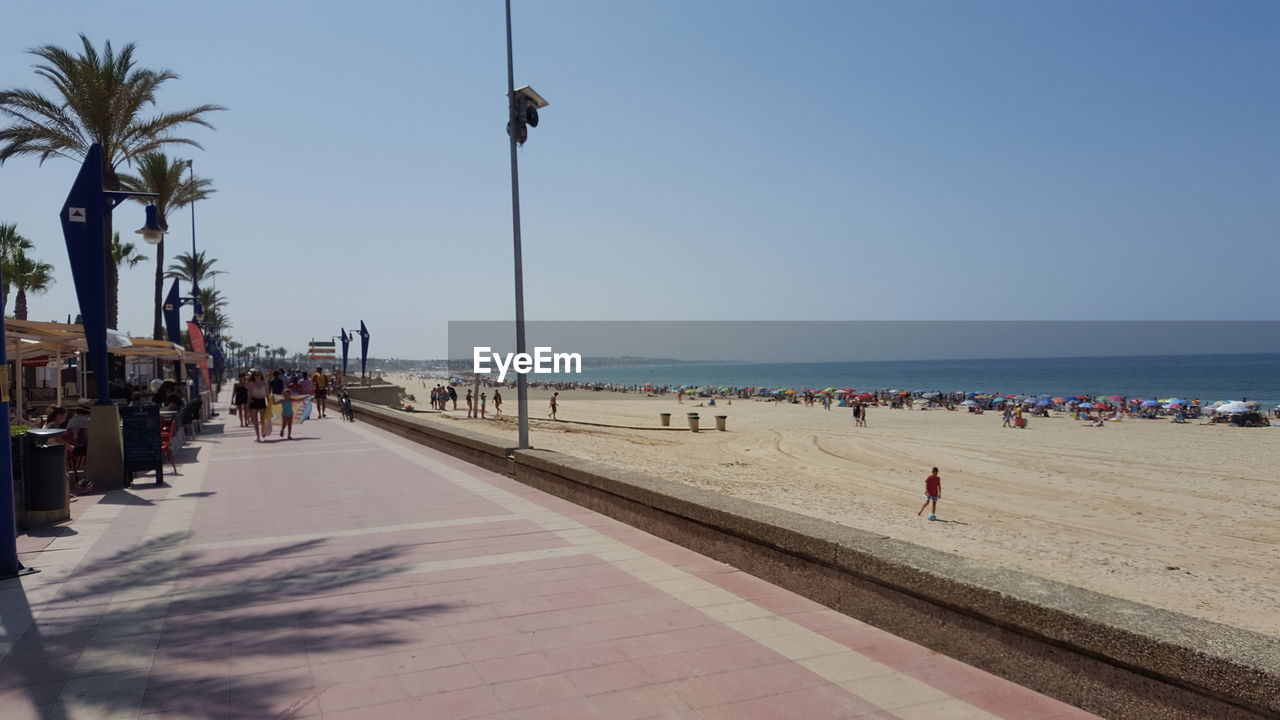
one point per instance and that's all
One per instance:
(82, 219)
(172, 324)
(364, 348)
(346, 342)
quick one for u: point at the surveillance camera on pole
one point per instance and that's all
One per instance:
(525, 104)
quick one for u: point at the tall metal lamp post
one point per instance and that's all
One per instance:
(83, 219)
(523, 105)
(197, 311)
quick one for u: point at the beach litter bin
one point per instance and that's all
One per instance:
(665, 419)
(720, 421)
(44, 471)
(693, 422)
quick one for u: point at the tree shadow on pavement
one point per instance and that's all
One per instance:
(205, 633)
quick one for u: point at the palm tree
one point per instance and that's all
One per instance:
(28, 275)
(193, 269)
(159, 174)
(10, 244)
(121, 254)
(213, 305)
(100, 97)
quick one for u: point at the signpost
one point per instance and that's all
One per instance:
(141, 434)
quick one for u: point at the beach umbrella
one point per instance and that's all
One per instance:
(1100, 406)
(1150, 403)
(997, 400)
(1043, 402)
(1086, 406)
(1116, 398)
(1175, 406)
(1233, 407)
(969, 402)
(1059, 400)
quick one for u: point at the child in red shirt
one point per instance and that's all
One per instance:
(932, 492)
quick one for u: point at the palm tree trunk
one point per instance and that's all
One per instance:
(20, 305)
(158, 331)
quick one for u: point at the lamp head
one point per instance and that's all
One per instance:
(152, 231)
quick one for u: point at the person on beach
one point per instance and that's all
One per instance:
(286, 413)
(240, 398)
(321, 382)
(857, 414)
(555, 404)
(453, 396)
(497, 403)
(471, 404)
(484, 398)
(1008, 417)
(932, 493)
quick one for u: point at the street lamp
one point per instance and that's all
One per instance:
(522, 107)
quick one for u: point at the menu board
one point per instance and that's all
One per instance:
(141, 433)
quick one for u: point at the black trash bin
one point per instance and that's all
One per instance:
(44, 471)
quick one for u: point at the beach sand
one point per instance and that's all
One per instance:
(1181, 517)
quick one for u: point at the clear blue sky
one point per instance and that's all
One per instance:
(701, 160)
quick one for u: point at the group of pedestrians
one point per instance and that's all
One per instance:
(254, 392)
(441, 396)
(478, 405)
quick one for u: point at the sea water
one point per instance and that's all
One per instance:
(1204, 377)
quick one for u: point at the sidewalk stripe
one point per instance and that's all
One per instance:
(304, 537)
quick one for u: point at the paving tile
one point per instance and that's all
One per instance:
(531, 692)
(820, 703)
(745, 684)
(503, 669)
(608, 678)
(361, 693)
(438, 680)
(707, 661)
(459, 704)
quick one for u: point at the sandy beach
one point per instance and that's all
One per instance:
(1182, 517)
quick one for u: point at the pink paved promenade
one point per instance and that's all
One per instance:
(352, 574)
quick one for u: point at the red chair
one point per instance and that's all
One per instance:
(166, 442)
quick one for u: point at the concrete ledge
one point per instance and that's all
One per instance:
(473, 447)
(1110, 656)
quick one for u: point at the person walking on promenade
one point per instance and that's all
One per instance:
(258, 389)
(321, 381)
(555, 404)
(932, 493)
(240, 398)
(286, 413)
(497, 403)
